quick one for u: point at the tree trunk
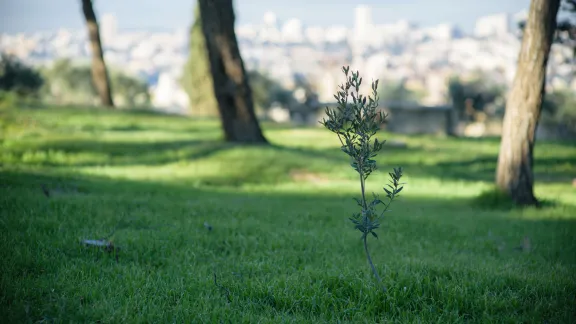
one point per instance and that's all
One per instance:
(99, 73)
(514, 174)
(230, 81)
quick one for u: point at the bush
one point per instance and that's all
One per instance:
(266, 91)
(68, 83)
(479, 94)
(559, 108)
(18, 78)
(396, 91)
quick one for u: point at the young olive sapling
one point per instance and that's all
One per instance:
(355, 123)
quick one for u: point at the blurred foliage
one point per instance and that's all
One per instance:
(8, 100)
(18, 78)
(67, 83)
(267, 91)
(397, 91)
(196, 78)
(565, 27)
(474, 95)
(128, 90)
(559, 107)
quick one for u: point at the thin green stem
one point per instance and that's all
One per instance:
(365, 237)
(370, 261)
(386, 207)
(362, 187)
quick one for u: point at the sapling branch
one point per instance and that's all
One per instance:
(355, 123)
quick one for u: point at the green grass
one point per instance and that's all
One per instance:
(282, 247)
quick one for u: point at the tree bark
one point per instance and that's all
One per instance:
(229, 78)
(514, 174)
(99, 73)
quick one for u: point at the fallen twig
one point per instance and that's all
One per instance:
(106, 245)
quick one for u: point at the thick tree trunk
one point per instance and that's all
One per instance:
(230, 81)
(99, 72)
(514, 173)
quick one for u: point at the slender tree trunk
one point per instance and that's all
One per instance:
(230, 81)
(514, 174)
(99, 73)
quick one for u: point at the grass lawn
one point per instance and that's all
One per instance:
(281, 247)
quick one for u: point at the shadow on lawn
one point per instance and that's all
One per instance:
(432, 246)
(420, 161)
(483, 168)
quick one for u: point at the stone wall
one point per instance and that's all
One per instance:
(545, 131)
(417, 119)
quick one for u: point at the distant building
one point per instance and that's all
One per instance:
(497, 25)
(442, 32)
(108, 28)
(270, 19)
(315, 35)
(169, 96)
(362, 20)
(362, 28)
(292, 31)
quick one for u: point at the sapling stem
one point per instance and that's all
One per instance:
(365, 239)
(364, 203)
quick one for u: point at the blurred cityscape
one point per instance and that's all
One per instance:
(422, 58)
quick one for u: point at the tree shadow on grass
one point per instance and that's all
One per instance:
(441, 163)
(139, 127)
(120, 153)
(496, 140)
(294, 252)
(483, 168)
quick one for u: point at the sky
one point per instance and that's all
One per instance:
(49, 15)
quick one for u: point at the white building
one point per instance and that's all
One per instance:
(108, 28)
(362, 20)
(169, 96)
(362, 28)
(270, 19)
(497, 25)
(315, 35)
(442, 32)
(246, 31)
(292, 31)
(336, 34)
